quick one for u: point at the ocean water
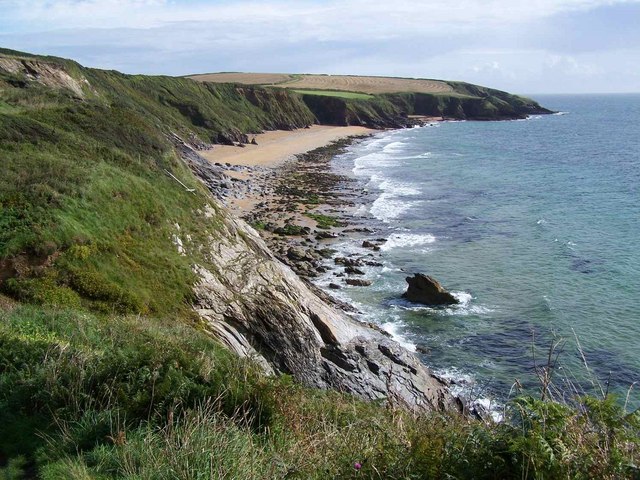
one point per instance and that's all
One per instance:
(534, 225)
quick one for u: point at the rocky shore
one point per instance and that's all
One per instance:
(301, 208)
(257, 294)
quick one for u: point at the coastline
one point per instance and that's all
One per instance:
(297, 203)
(309, 185)
(254, 169)
(272, 148)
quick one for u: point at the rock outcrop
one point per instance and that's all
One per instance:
(258, 307)
(45, 73)
(428, 291)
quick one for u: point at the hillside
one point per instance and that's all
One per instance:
(397, 97)
(147, 333)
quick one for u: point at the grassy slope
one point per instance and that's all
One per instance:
(88, 212)
(105, 378)
(125, 397)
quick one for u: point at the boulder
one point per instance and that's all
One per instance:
(428, 291)
(297, 254)
(353, 271)
(348, 262)
(358, 282)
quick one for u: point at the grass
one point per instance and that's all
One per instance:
(88, 215)
(336, 93)
(88, 396)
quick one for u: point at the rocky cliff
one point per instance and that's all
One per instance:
(261, 309)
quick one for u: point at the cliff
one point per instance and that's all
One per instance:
(380, 102)
(94, 219)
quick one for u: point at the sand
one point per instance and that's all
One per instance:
(278, 146)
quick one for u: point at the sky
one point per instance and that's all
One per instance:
(523, 46)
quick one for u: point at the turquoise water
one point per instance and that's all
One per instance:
(533, 224)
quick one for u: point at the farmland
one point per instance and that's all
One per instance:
(340, 83)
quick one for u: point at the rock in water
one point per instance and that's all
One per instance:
(428, 291)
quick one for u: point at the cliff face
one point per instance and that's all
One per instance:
(392, 110)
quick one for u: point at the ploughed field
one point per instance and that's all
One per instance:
(346, 83)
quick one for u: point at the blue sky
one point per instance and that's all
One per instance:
(524, 46)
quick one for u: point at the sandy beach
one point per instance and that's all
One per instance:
(275, 147)
(286, 189)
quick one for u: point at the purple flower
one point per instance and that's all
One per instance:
(357, 465)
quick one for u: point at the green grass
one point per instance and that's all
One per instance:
(88, 215)
(336, 93)
(86, 396)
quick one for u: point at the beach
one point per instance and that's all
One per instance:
(277, 146)
(286, 189)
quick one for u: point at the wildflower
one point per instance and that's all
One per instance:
(357, 465)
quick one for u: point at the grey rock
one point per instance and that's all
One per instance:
(358, 282)
(348, 262)
(259, 308)
(353, 271)
(428, 291)
(297, 253)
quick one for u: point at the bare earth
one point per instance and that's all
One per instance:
(280, 145)
(347, 83)
(244, 78)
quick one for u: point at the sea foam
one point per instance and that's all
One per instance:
(404, 240)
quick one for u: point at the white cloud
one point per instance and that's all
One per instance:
(322, 19)
(491, 42)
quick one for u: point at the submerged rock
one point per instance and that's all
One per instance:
(428, 291)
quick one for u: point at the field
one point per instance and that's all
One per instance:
(334, 93)
(345, 83)
(244, 78)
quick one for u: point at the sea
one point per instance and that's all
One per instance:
(534, 225)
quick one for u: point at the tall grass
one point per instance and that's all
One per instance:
(92, 396)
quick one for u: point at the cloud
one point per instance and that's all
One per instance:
(506, 46)
(315, 16)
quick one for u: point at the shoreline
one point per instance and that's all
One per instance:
(275, 147)
(254, 169)
(308, 186)
(300, 206)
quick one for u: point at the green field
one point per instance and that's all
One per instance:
(335, 93)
